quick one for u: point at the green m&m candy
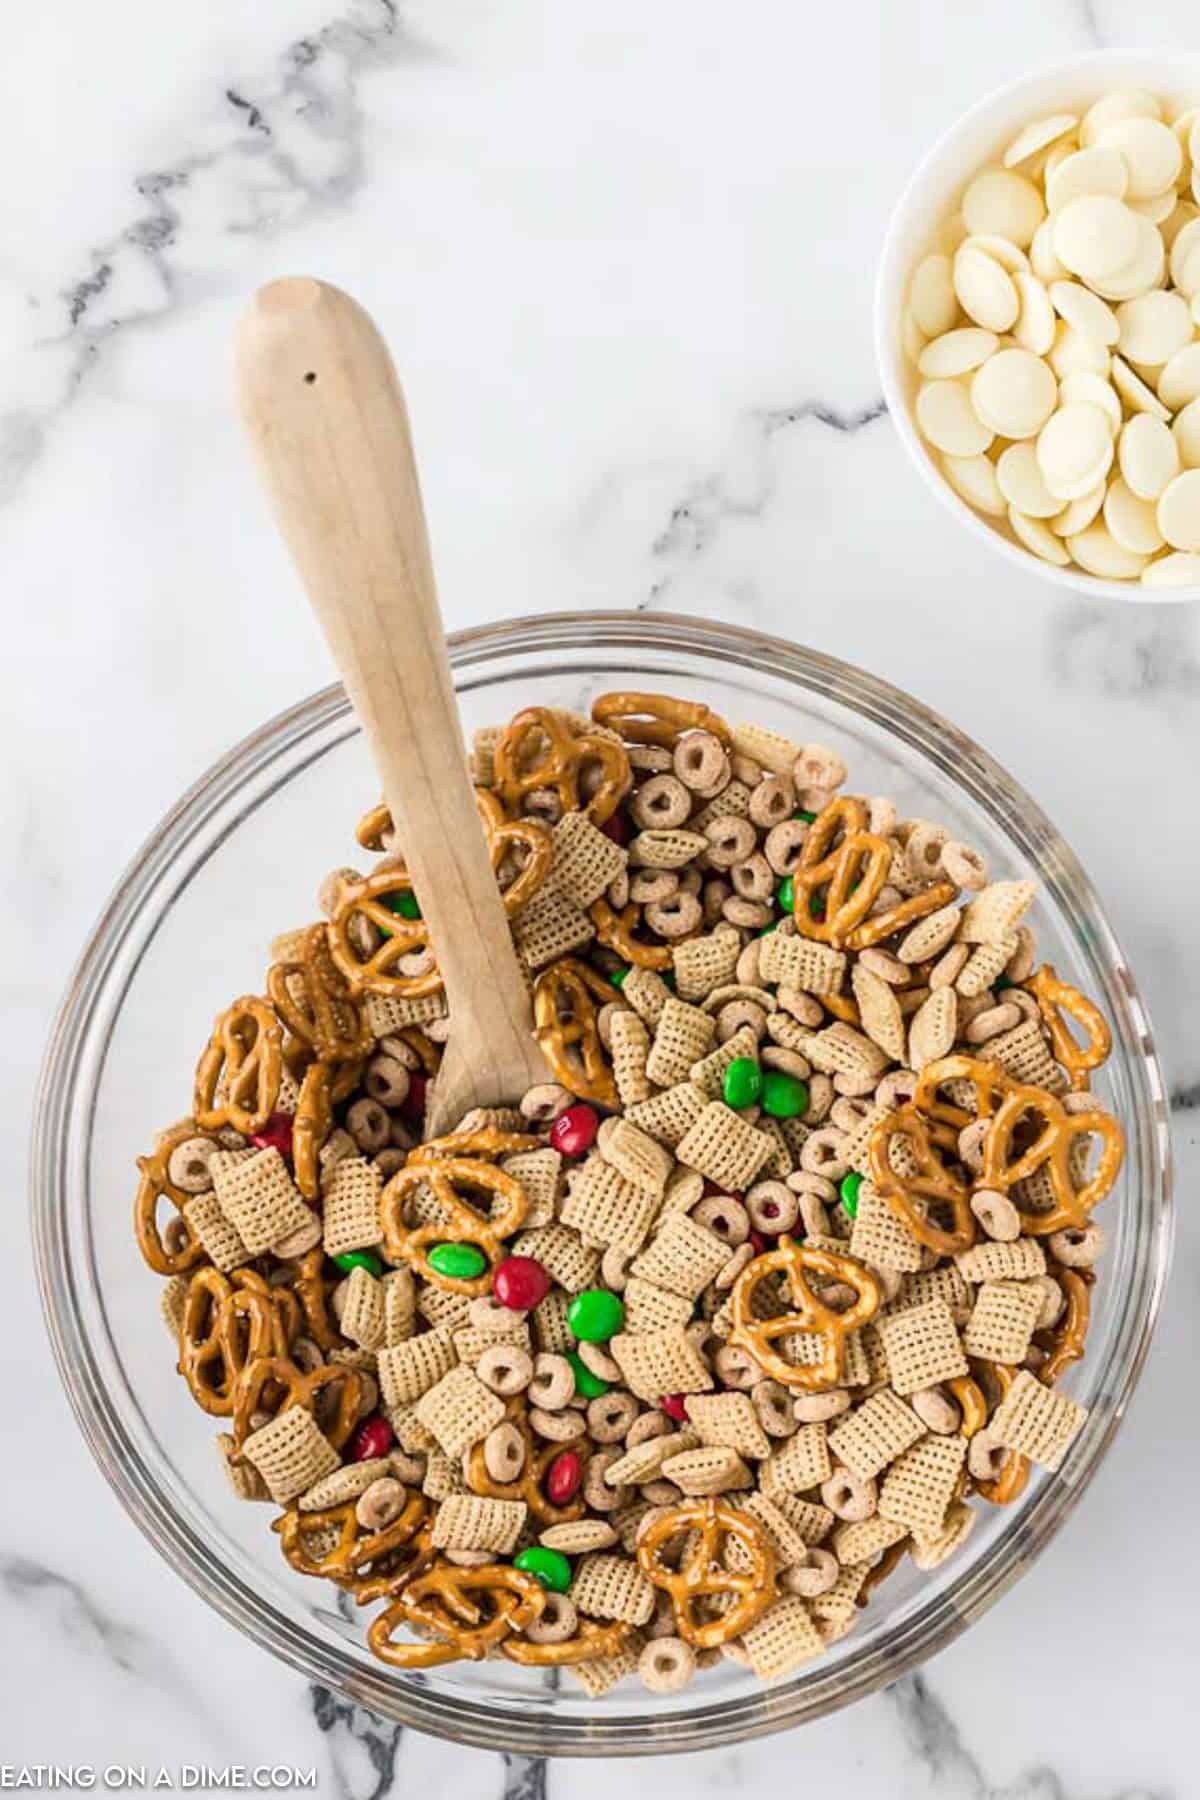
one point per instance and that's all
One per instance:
(618, 977)
(743, 1082)
(405, 904)
(359, 1259)
(808, 817)
(848, 1189)
(586, 1383)
(787, 893)
(783, 1096)
(595, 1315)
(550, 1566)
(461, 1262)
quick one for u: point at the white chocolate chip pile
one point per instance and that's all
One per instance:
(1056, 331)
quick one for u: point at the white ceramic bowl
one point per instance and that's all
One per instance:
(922, 210)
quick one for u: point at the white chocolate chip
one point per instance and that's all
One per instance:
(1134, 103)
(1019, 478)
(946, 418)
(1134, 392)
(1151, 151)
(1179, 511)
(1014, 393)
(1010, 256)
(1097, 551)
(1186, 432)
(1131, 521)
(931, 299)
(1006, 204)
(985, 291)
(957, 352)
(1091, 390)
(1074, 450)
(1098, 171)
(1084, 311)
(1096, 236)
(1079, 514)
(1036, 325)
(1155, 327)
(1038, 134)
(1144, 269)
(1148, 456)
(1179, 382)
(1073, 353)
(1176, 570)
(1034, 535)
(1042, 260)
(974, 477)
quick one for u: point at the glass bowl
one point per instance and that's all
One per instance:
(237, 861)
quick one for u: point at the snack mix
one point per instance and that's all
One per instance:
(775, 1274)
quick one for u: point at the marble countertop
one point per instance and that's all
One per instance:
(624, 256)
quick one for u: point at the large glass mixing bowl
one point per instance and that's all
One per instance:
(237, 861)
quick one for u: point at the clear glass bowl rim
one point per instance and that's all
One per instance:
(64, 1106)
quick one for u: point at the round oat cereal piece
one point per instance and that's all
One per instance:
(1095, 171)
(1084, 389)
(985, 290)
(1078, 515)
(946, 418)
(1019, 478)
(1095, 236)
(1134, 392)
(931, 298)
(1084, 311)
(1008, 205)
(1036, 324)
(974, 478)
(957, 352)
(1131, 520)
(1154, 327)
(1074, 450)
(1097, 551)
(1179, 511)
(1039, 134)
(1148, 456)
(1014, 393)
(1176, 570)
(1150, 151)
(1036, 536)
(1126, 103)
(1179, 383)
(1186, 432)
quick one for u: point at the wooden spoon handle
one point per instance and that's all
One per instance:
(327, 419)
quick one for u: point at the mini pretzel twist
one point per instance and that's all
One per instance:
(293, 1387)
(1015, 1470)
(908, 1195)
(564, 1011)
(838, 883)
(286, 1305)
(487, 1143)
(657, 718)
(617, 931)
(796, 1262)
(539, 750)
(237, 1077)
(988, 1080)
(591, 1639)
(311, 1125)
(313, 999)
(224, 1328)
(314, 1290)
(879, 1571)
(897, 918)
(1065, 1341)
(1004, 1165)
(471, 1611)
(1054, 998)
(528, 1484)
(459, 1223)
(154, 1187)
(971, 1403)
(357, 1546)
(528, 837)
(378, 972)
(710, 1523)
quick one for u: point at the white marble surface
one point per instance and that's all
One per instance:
(624, 255)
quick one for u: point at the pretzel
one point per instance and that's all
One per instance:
(242, 1062)
(286, 1305)
(756, 1336)
(412, 1558)
(1051, 1151)
(503, 836)
(429, 1052)
(933, 1181)
(850, 874)
(701, 1572)
(487, 1142)
(156, 1185)
(1064, 1342)
(357, 1546)
(528, 1484)
(324, 1017)
(311, 1125)
(1055, 997)
(460, 1223)
(538, 750)
(313, 1289)
(879, 1572)
(896, 918)
(440, 1601)
(564, 1013)
(212, 1353)
(591, 1640)
(298, 1389)
(376, 972)
(616, 931)
(971, 1402)
(988, 1080)
(657, 718)
(1011, 1482)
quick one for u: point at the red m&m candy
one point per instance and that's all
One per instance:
(758, 1241)
(413, 1109)
(563, 1478)
(574, 1132)
(276, 1134)
(520, 1283)
(617, 828)
(374, 1437)
(675, 1407)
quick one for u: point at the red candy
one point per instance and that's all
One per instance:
(675, 1407)
(413, 1108)
(759, 1242)
(617, 828)
(374, 1437)
(276, 1134)
(521, 1283)
(563, 1478)
(574, 1132)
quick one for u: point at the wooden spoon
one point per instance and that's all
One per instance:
(326, 416)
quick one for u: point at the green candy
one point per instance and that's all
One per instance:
(768, 929)
(743, 1082)
(618, 977)
(595, 1315)
(669, 978)
(787, 893)
(806, 816)
(816, 905)
(461, 1262)
(405, 904)
(359, 1259)
(550, 1566)
(783, 1096)
(848, 1189)
(589, 1385)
